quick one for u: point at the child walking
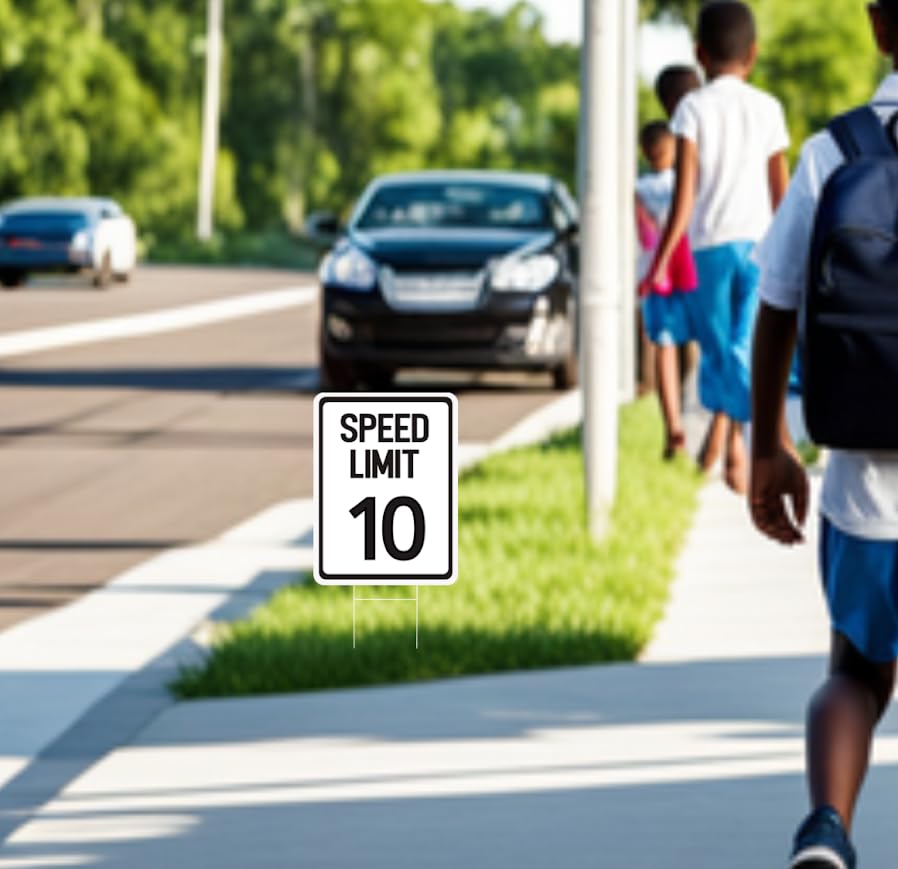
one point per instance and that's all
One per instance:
(731, 175)
(859, 505)
(664, 313)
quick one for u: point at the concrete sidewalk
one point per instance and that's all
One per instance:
(692, 758)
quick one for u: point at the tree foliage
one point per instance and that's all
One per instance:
(104, 96)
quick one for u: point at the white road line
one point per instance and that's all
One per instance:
(154, 322)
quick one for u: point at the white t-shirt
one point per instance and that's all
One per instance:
(860, 490)
(737, 129)
(655, 191)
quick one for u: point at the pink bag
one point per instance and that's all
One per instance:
(681, 272)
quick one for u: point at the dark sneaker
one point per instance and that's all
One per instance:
(822, 843)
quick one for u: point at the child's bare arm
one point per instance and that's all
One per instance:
(681, 213)
(777, 178)
(777, 473)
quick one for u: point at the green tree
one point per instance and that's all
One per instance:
(103, 96)
(817, 65)
(508, 98)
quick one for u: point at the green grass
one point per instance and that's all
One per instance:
(533, 591)
(274, 249)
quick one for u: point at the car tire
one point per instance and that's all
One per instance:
(565, 375)
(336, 375)
(122, 277)
(12, 278)
(103, 274)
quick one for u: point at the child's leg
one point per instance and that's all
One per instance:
(744, 310)
(690, 355)
(744, 313)
(710, 311)
(714, 442)
(841, 720)
(736, 467)
(665, 323)
(860, 577)
(647, 363)
(668, 384)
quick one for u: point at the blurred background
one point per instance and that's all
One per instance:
(319, 96)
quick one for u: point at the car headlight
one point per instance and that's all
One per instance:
(80, 240)
(350, 268)
(528, 274)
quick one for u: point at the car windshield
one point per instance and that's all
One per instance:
(55, 222)
(486, 206)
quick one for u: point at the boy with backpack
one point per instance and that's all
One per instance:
(832, 255)
(731, 176)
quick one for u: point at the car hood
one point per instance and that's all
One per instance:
(450, 249)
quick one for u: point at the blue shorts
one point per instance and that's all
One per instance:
(666, 319)
(722, 312)
(860, 578)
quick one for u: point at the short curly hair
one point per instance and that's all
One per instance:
(674, 83)
(653, 134)
(726, 30)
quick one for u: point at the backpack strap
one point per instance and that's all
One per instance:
(860, 133)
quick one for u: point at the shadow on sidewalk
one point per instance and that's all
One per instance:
(673, 765)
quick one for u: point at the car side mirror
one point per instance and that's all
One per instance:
(323, 227)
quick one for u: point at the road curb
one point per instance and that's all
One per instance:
(561, 414)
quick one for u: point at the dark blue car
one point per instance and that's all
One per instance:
(66, 234)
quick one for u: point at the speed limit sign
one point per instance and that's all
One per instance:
(385, 489)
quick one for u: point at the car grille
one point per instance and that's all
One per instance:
(408, 336)
(431, 291)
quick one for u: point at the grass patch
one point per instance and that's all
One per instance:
(274, 249)
(533, 591)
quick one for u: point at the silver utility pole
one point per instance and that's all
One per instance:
(629, 22)
(600, 257)
(211, 99)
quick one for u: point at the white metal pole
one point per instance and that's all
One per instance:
(211, 99)
(629, 23)
(582, 144)
(600, 259)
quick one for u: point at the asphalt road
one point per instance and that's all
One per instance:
(113, 451)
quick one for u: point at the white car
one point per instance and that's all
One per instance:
(66, 234)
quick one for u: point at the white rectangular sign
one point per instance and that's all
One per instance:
(386, 489)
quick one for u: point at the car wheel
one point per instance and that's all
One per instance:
(566, 374)
(337, 375)
(12, 278)
(122, 277)
(103, 274)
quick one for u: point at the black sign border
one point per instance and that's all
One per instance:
(413, 580)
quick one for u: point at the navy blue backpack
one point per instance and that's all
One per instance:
(849, 323)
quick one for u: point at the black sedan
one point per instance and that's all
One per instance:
(457, 269)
